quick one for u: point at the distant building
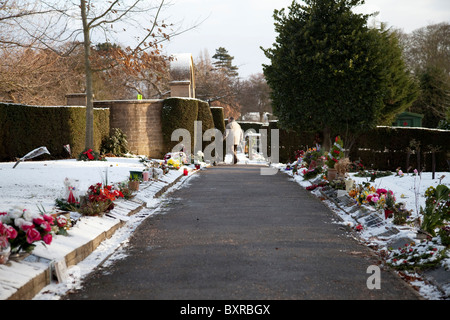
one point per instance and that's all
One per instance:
(408, 119)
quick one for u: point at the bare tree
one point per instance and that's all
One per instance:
(80, 21)
(37, 77)
(254, 94)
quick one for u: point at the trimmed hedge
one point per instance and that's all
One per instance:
(181, 113)
(24, 128)
(178, 113)
(206, 117)
(218, 118)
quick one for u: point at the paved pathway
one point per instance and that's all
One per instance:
(236, 234)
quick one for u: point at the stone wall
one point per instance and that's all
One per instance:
(140, 120)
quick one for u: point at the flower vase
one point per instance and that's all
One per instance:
(331, 175)
(133, 185)
(4, 254)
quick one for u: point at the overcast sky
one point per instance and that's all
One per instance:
(242, 26)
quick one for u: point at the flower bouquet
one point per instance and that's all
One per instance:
(61, 225)
(7, 233)
(336, 153)
(29, 228)
(100, 199)
(89, 155)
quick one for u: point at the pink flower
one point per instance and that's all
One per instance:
(27, 226)
(61, 221)
(46, 226)
(33, 235)
(10, 232)
(48, 218)
(48, 238)
(39, 220)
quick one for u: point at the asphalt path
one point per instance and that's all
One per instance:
(234, 234)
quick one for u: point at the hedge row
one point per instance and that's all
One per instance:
(24, 128)
(382, 148)
(181, 113)
(218, 118)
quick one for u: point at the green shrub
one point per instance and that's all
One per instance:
(218, 118)
(116, 144)
(205, 116)
(437, 208)
(24, 128)
(178, 113)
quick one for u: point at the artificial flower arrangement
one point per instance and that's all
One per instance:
(24, 229)
(309, 162)
(61, 225)
(7, 234)
(381, 199)
(89, 155)
(173, 164)
(100, 199)
(413, 256)
(336, 153)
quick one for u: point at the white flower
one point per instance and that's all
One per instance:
(29, 216)
(15, 212)
(19, 222)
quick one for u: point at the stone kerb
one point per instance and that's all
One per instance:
(140, 120)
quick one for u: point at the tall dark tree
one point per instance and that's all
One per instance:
(224, 62)
(434, 98)
(329, 71)
(427, 52)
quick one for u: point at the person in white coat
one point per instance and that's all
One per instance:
(234, 136)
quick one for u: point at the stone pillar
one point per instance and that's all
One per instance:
(181, 89)
(140, 120)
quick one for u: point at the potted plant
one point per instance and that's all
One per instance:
(139, 174)
(133, 183)
(336, 153)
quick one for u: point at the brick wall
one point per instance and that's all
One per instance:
(140, 120)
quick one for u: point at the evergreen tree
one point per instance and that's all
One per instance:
(330, 72)
(225, 62)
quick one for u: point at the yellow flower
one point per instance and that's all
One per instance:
(174, 163)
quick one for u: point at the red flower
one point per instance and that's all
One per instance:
(33, 235)
(48, 238)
